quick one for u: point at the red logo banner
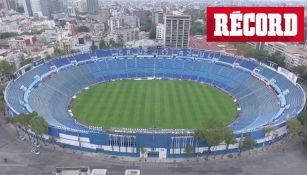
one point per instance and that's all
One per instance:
(255, 24)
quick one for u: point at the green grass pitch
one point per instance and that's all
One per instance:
(164, 104)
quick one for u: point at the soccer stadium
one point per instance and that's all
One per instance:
(119, 101)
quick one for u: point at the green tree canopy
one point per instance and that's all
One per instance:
(229, 137)
(103, 45)
(303, 119)
(197, 28)
(278, 58)
(83, 29)
(38, 125)
(114, 44)
(26, 61)
(212, 133)
(293, 127)
(93, 46)
(2, 106)
(152, 32)
(146, 27)
(301, 70)
(248, 143)
(23, 120)
(58, 52)
(6, 68)
(5, 35)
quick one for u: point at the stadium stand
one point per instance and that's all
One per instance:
(259, 103)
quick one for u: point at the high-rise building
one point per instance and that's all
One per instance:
(143, 15)
(177, 30)
(46, 10)
(105, 14)
(70, 11)
(36, 7)
(158, 17)
(56, 6)
(27, 7)
(92, 7)
(7, 5)
(81, 6)
(160, 32)
(49, 7)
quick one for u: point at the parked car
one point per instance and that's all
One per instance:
(21, 138)
(36, 144)
(35, 151)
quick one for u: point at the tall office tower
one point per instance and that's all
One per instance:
(45, 7)
(105, 14)
(7, 5)
(49, 7)
(92, 7)
(56, 6)
(36, 7)
(27, 7)
(158, 17)
(177, 30)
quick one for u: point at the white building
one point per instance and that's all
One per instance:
(36, 8)
(17, 44)
(160, 32)
(273, 47)
(70, 11)
(177, 30)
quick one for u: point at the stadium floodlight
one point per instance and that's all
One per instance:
(23, 88)
(286, 92)
(22, 103)
(214, 60)
(37, 77)
(74, 62)
(287, 106)
(53, 67)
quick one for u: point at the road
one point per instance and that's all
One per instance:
(290, 158)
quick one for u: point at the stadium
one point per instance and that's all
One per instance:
(122, 101)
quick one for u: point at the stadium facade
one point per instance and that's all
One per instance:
(267, 98)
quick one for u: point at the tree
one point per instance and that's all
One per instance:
(103, 45)
(213, 133)
(229, 137)
(198, 136)
(48, 57)
(2, 106)
(212, 137)
(114, 44)
(143, 151)
(188, 149)
(152, 32)
(303, 119)
(278, 58)
(6, 68)
(293, 127)
(197, 28)
(38, 125)
(26, 61)
(248, 143)
(7, 35)
(12, 121)
(83, 29)
(146, 27)
(24, 121)
(58, 52)
(93, 46)
(52, 141)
